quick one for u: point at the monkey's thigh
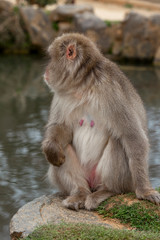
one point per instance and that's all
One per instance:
(113, 168)
(70, 176)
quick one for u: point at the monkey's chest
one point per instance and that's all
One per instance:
(89, 139)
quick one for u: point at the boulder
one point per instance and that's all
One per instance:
(117, 36)
(12, 37)
(67, 12)
(102, 38)
(44, 210)
(155, 19)
(5, 6)
(38, 25)
(140, 36)
(65, 27)
(88, 21)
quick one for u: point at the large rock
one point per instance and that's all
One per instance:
(38, 26)
(5, 6)
(103, 39)
(44, 210)
(140, 36)
(12, 37)
(88, 21)
(67, 12)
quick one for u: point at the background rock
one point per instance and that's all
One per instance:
(38, 26)
(88, 21)
(140, 36)
(47, 209)
(102, 38)
(67, 12)
(5, 6)
(12, 35)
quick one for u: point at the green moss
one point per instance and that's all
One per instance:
(141, 215)
(128, 5)
(87, 232)
(16, 9)
(110, 23)
(55, 26)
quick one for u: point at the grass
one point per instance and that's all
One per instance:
(110, 23)
(87, 232)
(55, 26)
(140, 215)
(128, 5)
(16, 9)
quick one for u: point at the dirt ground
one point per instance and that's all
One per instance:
(107, 11)
(114, 12)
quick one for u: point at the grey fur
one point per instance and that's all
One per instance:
(91, 87)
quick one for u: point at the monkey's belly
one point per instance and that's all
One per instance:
(89, 143)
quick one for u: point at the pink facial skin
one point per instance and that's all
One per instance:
(46, 76)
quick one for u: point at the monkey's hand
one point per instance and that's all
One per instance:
(57, 138)
(54, 153)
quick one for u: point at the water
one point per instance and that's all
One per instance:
(24, 105)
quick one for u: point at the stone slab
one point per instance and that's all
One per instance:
(47, 209)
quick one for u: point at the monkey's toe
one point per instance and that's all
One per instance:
(91, 203)
(74, 202)
(153, 197)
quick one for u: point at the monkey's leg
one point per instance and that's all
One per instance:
(94, 199)
(114, 175)
(71, 179)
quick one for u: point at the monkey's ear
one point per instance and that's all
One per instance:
(71, 52)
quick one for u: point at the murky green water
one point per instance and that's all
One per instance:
(24, 104)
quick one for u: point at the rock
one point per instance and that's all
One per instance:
(12, 36)
(67, 12)
(65, 27)
(38, 26)
(155, 19)
(88, 21)
(44, 210)
(140, 36)
(102, 38)
(5, 6)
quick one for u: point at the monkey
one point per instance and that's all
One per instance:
(96, 139)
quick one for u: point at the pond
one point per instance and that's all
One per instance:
(24, 105)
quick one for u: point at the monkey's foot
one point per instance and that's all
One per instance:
(152, 196)
(75, 202)
(94, 199)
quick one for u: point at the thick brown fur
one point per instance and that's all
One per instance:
(96, 138)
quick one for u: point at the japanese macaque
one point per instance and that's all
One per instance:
(96, 138)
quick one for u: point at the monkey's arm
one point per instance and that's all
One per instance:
(57, 137)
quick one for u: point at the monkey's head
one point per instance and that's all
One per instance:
(72, 61)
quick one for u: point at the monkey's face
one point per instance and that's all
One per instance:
(70, 57)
